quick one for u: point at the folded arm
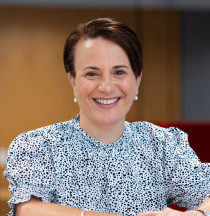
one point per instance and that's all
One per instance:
(171, 212)
(35, 207)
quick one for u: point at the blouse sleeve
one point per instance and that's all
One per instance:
(29, 170)
(187, 179)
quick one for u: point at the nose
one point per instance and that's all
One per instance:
(106, 84)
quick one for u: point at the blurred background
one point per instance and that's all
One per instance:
(34, 89)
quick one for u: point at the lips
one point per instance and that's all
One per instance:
(106, 101)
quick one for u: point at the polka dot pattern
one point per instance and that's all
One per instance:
(148, 168)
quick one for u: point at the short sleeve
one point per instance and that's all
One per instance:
(187, 179)
(29, 170)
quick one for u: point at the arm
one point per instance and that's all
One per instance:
(171, 212)
(36, 207)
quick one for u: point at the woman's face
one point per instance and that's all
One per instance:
(105, 85)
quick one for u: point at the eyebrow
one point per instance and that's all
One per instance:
(120, 66)
(115, 67)
(91, 67)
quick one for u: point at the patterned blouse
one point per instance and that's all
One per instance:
(148, 168)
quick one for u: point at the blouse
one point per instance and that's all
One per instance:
(148, 168)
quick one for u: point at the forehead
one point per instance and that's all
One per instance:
(98, 46)
(87, 42)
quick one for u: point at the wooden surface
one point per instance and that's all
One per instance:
(4, 194)
(161, 83)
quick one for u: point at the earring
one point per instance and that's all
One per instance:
(75, 100)
(136, 98)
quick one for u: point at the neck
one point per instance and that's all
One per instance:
(106, 133)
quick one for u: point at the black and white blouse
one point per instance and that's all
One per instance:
(148, 168)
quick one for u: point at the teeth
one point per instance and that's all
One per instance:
(106, 101)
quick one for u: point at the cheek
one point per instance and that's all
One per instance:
(84, 89)
(129, 87)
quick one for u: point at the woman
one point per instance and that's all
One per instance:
(97, 163)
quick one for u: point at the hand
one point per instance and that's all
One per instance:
(166, 212)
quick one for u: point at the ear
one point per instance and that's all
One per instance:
(71, 79)
(138, 81)
(73, 82)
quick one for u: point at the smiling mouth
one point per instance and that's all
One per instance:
(106, 101)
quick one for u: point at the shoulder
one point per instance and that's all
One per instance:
(150, 129)
(40, 136)
(152, 133)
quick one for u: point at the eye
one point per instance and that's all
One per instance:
(119, 73)
(91, 75)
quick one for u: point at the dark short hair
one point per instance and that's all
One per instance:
(108, 29)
